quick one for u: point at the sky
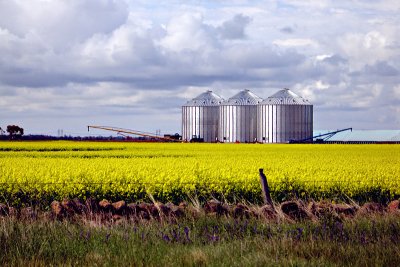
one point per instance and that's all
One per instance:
(66, 64)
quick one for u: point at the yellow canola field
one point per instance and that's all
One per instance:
(43, 171)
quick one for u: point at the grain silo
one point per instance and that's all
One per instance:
(200, 118)
(238, 118)
(284, 116)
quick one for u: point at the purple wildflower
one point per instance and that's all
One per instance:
(88, 235)
(363, 238)
(107, 237)
(166, 238)
(299, 233)
(175, 235)
(186, 230)
(213, 238)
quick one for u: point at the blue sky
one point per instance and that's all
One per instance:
(67, 64)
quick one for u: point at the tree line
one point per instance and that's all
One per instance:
(14, 131)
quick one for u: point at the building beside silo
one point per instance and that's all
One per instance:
(284, 116)
(200, 118)
(238, 118)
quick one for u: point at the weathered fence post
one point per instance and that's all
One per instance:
(265, 189)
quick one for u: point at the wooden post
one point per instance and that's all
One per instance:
(265, 189)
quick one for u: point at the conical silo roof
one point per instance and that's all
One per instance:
(207, 98)
(244, 97)
(285, 97)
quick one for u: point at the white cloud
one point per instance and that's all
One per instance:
(322, 57)
(187, 33)
(106, 57)
(368, 48)
(296, 42)
(63, 22)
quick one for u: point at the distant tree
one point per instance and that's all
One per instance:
(14, 131)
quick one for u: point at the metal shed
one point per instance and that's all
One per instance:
(362, 136)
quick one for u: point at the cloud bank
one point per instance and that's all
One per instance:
(68, 63)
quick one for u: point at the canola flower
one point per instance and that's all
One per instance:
(44, 171)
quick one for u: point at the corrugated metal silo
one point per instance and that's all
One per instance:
(238, 118)
(200, 117)
(284, 116)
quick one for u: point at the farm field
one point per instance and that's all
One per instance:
(39, 172)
